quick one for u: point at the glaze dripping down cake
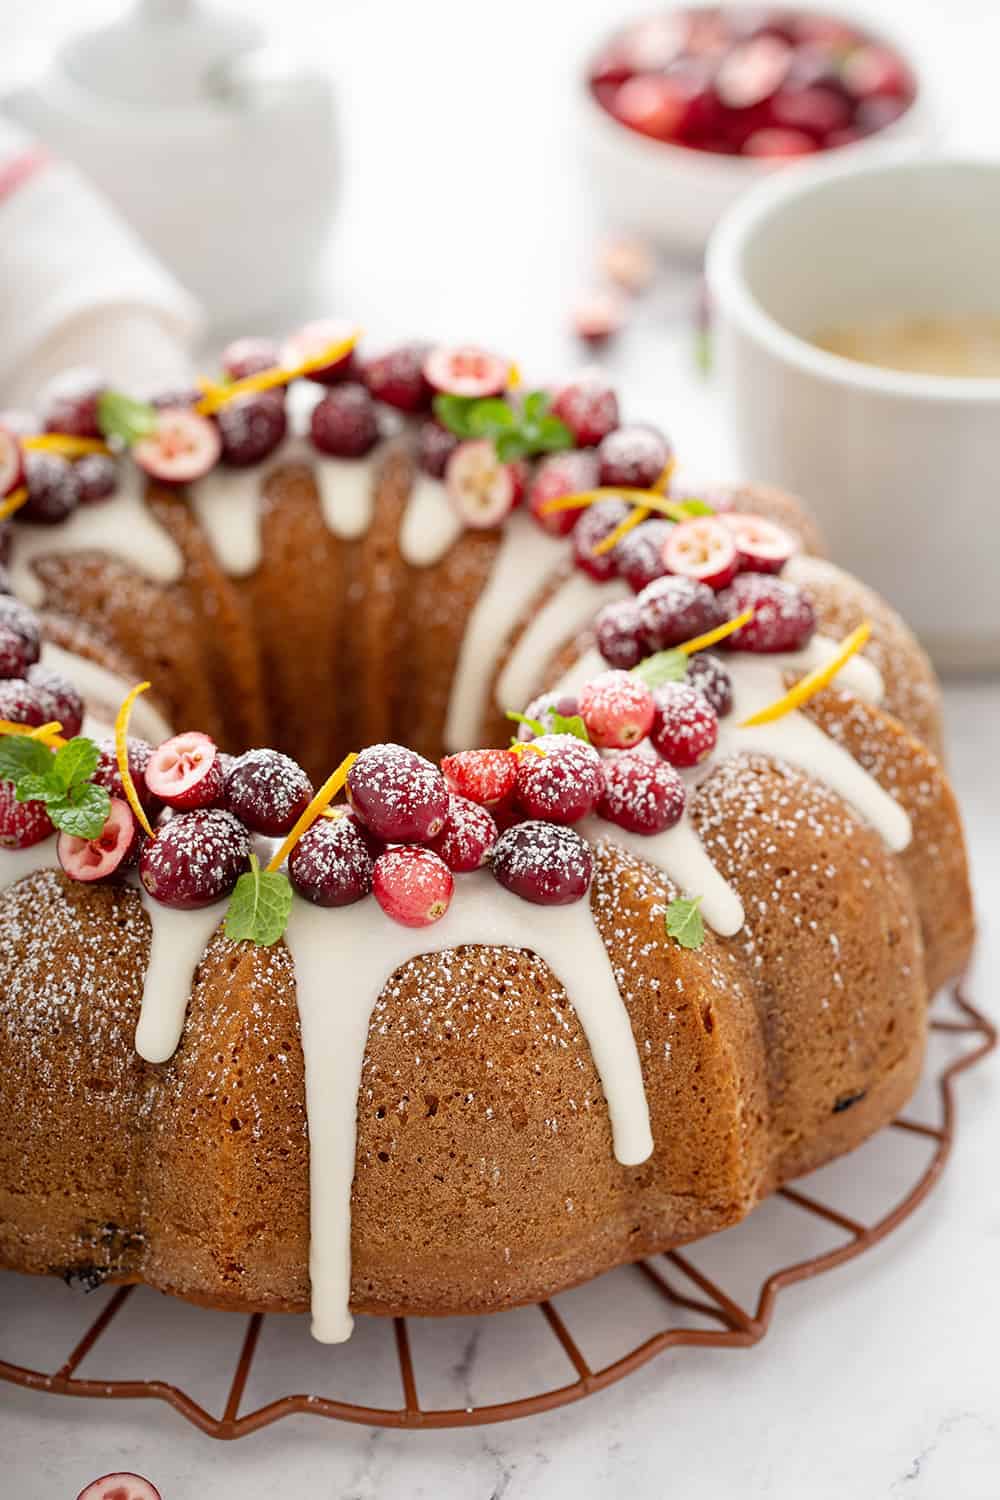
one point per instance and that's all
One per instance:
(512, 1013)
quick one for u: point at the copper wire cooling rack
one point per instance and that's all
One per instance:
(731, 1325)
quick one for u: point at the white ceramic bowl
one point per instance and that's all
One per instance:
(903, 470)
(675, 195)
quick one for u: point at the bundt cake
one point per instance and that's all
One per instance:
(516, 1012)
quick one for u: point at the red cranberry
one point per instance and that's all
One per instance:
(401, 797)
(116, 847)
(563, 783)
(596, 523)
(414, 886)
(251, 428)
(561, 474)
(543, 710)
(60, 699)
(619, 633)
(483, 776)
(107, 774)
(344, 423)
(598, 315)
(878, 113)
(97, 476)
(398, 379)
(184, 772)
(53, 488)
(20, 703)
(643, 795)
(23, 622)
(634, 457)
(182, 396)
(686, 727)
(763, 546)
(784, 618)
(617, 709)
(706, 673)
(466, 841)
(331, 865)
(249, 356)
(69, 403)
(267, 791)
(544, 863)
(673, 610)
(311, 341)
(15, 654)
(818, 111)
(639, 554)
(778, 143)
(871, 70)
(22, 824)
(652, 104)
(753, 72)
(195, 859)
(435, 445)
(588, 406)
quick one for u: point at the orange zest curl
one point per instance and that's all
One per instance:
(650, 499)
(13, 502)
(807, 687)
(634, 518)
(523, 745)
(65, 443)
(121, 754)
(49, 734)
(217, 396)
(316, 808)
(710, 637)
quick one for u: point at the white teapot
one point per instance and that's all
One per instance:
(218, 148)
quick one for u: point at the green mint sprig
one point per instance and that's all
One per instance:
(259, 906)
(535, 725)
(685, 923)
(517, 431)
(61, 780)
(664, 666)
(560, 724)
(124, 420)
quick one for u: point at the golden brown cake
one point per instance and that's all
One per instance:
(539, 1092)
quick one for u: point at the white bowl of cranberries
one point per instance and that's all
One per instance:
(687, 106)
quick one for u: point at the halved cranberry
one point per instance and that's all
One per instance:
(22, 824)
(466, 371)
(195, 859)
(704, 549)
(588, 406)
(11, 462)
(763, 546)
(249, 356)
(115, 848)
(312, 340)
(119, 1487)
(480, 487)
(69, 403)
(184, 772)
(560, 474)
(184, 447)
(53, 488)
(397, 378)
(61, 701)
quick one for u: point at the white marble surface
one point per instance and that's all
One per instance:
(878, 1383)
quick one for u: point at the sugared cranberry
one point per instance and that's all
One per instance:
(97, 476)
(184, 772)
(619, 633)
(401, 797)
(435, 445)
(249, 356)
(195, 859)
(22, 621)
(412, 885)
(466, 841)
(267, 791)
(344, 424)
(15, 654)
(617, 709)
(763, 546)
(20, 703)
(481, 488)
(60, 699)
(11, 461)
(673, 610)
(184, 447)
(22, 824)
(641, 794)
(563, 782)
(685, 728)
(706, 673)
(784, 618)
(69, 403)
(53, 488)
(251, 428)
(107, 774)
(122, 1486)
(543, 709)
(331, 865)
(597, 523)
(775, 142)
(544, 863)
(116, 847)
(466, 370)
(588, 406)
(598, 315)
(704, 549)
(313, 340)
(639, 554)
(483, 776)
(397, 378)
(634, 457)
(558, 475)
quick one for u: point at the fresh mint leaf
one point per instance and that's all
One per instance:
(123, 419)
(83, 812)
(259, 906)
(685, 923)
(454, 413)
(664, 666)
(535, 725)
(535, 405)
(511, 446)
(33, 788)
(21, 756)
(553, 436)
(573, 724)
(696, 507)
(491, 418)
(75, 762)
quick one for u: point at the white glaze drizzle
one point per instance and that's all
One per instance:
(347, 493)
(103, 692)
(431, 525)
(525, 558)
(227, 506)
(570, 609)
(344, 958)
(123, 526)
(178, 942)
